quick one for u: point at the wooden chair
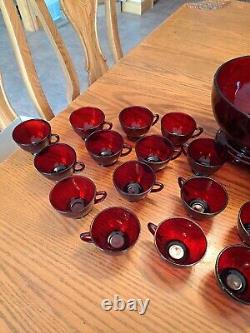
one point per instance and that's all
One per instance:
(85, 25)
(82, 14)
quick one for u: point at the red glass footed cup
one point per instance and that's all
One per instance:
(244, 223)
(134, 180)
(232, 270)
(156, 151)
(179, 127)
(75, 196)
(202, 196)
(136, 121)
(87, 120)
(33, 135)
(114, 230)
(205, 157)
(106, 146)
(179, 241)
(57, 161)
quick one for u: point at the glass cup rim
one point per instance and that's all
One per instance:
(85, 107)
(66, 178)
(179, 113)
(139, 107)
(35, 143)
(161, 137)
(172, 262)
(239, 216)
(107, 250)
(204, 214)
(214, 166)
(134, 194)
(59, 172)
(217, 275)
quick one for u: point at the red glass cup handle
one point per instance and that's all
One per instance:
(128, 149)
(102, 195)
(184, 148)
(199, 131)
(156, 118)
(86, 237)
(159, 186)
(107, 124)
(181, 181)
(152, 228)
(176, 154)
(78, 166)
(56, 136)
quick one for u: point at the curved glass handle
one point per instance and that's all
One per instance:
(86, 237)
(176, 154)
(107, 124)
(199, 131)
(184, 148)
(152, 228)
(102, 195)
(181, 181)
(56, 136)
(127, 149)
(79, 166)
(159, 186)
(156, 118)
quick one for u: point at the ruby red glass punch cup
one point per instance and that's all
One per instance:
(87, 120)
(244, 223)
(75, 196)
(106, 146)
(57, 161)
(205, 156)
(232, 270)
(136, 121)
(33, 135)
(179, 127)
(156, 151)
(113, 230)
(134, 180)
(202, 196)
(179, 241)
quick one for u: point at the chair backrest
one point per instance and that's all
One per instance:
(7, 114)
(83, 15)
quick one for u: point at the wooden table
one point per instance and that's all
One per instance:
(50, 281)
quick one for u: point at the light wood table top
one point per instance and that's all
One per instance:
(50, 281)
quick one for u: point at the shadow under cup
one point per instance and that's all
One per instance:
(75, 196)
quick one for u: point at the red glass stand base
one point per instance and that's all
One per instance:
(235, 154)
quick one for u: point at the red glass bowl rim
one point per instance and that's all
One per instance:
(218, 88)
(181, 113)
(62, 171)
(134, 194)
(139, 107)
(189, 145)
(35, 143)
(64, 179)
(214, 181)
(86, 107)
(222, 285)
(102, 131)
(239, 215)
(158, 136)
(179, 218)
(109, 208)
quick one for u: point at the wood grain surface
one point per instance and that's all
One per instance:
(50, 281)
